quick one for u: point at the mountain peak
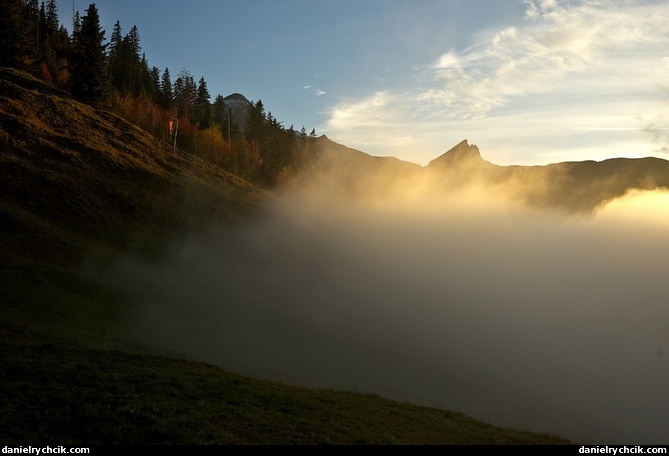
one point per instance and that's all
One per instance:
(463, 152)
(236, 97)
(238, 105)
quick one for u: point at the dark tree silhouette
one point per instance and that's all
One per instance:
(166, 97)
(89, 79)
(18, 34)
(203, 111)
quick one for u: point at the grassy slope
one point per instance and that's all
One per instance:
(81, 184)
(63, 394)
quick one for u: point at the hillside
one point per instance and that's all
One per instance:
(569, 187)
(68, 166)
(82, 187)
(575, 187)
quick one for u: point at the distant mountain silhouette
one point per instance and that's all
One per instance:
(574, 187)
(238, 105)
(461, 155)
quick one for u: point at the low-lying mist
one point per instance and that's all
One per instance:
(524, 318)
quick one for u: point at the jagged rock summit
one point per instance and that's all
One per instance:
(463, 156)
(462, 153)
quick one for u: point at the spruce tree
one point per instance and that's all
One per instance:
(177, 95)
(43, 28)
(51, 16)
(134, 67)
(17, 40)
(89, 78)
(255, 122)
(166, 97)
(203, 106)
(154, 85)
(53, 44)
(185, 92)
(115, 45)
(76, 25)
(10, 20)
(142, 79)
(30, 30)
(220, 114)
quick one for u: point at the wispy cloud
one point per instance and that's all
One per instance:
(377, 121)
(557, 45)
(317, 92)
(577, 63)
(360, 113)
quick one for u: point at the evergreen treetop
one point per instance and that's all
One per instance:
(89, 78)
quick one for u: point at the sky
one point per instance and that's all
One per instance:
(529, 82)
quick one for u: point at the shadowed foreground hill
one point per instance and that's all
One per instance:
(80, 186)
(95, 174)
(59, 394)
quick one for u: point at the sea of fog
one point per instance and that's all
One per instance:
(523, 318)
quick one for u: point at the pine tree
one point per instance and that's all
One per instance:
(17, 47)
(154, 85)
(177, 95)
(55, 47)
(53, 44)
(255, 123)
(142, 81)
(89, 78)
(10, 20)
(115, 43)
(185, 91)
(43, 29)
(115, 57)
(203, 111)
(76, 25)
(166, 97)
(30, 30)
(134, 67)
(51, 16)
(219, 114)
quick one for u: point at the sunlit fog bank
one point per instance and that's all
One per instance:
(521, 317)
(640, 207)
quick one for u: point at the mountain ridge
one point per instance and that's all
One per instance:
(571, 187)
